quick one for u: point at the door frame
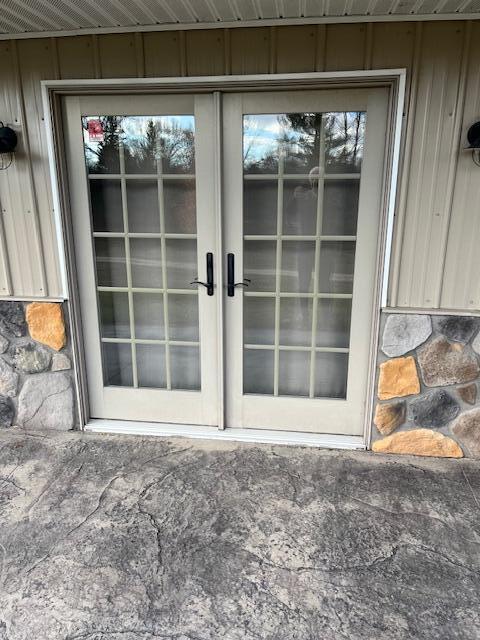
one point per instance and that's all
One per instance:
(52, 93)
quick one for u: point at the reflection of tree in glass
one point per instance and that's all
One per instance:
(344, 134)
(168, 140)
(161, 138)
(102, 157)
(298, 139)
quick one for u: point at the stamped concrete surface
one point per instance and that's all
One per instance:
(128, 538)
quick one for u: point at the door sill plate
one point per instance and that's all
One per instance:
(327, 441)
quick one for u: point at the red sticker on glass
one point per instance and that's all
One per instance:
(95, 131)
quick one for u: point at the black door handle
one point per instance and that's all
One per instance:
(209, 283)
(231, 284)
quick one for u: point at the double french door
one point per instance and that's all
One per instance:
(226, 250)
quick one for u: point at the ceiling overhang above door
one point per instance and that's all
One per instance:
(37, 18)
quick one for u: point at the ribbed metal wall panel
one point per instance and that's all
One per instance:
(461, 281)
(434, 244)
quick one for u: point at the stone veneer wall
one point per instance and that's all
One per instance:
(427, 386)
(36, 378)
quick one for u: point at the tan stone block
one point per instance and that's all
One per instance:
(46, 325)
(419, 442)
(398, 377)
(389, 416)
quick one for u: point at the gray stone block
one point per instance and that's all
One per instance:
(433, 409)
(60, 362)
(12, 318)
(31, 357)
(443, 363)
(46, 402)
(7, 412)
(456, 328)
(476, 343)
(8, 380)
(404, 332)
(467, 430)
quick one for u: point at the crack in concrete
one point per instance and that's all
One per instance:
(55, 478)
(412, 513)
(471, 488)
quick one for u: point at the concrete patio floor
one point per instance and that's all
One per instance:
(128, 538)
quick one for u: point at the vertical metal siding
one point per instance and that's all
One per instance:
(427, 211)
(461, 281)
(435, 263)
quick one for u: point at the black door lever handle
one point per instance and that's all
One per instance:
(231, 284)
(209, 283)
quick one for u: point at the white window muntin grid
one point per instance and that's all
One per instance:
(279, 238)
(126, 235)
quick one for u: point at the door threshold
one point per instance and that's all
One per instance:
(264, 436)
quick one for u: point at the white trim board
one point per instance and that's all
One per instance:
(263, 436)
(260, 22)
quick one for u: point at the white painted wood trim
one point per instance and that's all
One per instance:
(233, 82)
(263, 436)
(392, 181)
(264, 22)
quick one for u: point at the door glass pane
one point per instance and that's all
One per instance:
(185, 367)
(114, 314)
(141, 172)
(151, 366)
(294, 378)
(333, 322)
(296, 322)
(331, 375)
(259, 320)
(340, 207)
(181, 263)
(179, 206)
(106, 203)
(110, 262)
(146, 262)
(344, 141)
(298, 267)
(259, 257)
(337, 262)
(142, 203)
(258, 371)
(183, 317)
(117, 364)
(302, 174)
(260, 207)
(300, 208)
(149, 318)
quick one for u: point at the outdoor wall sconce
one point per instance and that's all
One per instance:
(473, 137)
(8, 142)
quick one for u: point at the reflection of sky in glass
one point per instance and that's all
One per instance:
(133, 130)
(266, 136)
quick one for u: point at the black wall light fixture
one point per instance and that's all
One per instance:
(473, 137)
(8, 142)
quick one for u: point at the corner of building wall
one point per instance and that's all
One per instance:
(36, 375)
(426, 386)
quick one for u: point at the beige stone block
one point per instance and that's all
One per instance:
(389, 416)
(398, 377)
(419, 442)
(46, 325)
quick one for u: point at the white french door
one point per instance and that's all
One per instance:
(303, 185)
(286, 262)
(142, 190)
